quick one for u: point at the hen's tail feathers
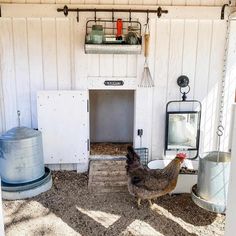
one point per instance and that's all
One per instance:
(133, 159)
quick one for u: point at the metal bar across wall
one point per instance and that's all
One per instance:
(174, 12)
(159, 11)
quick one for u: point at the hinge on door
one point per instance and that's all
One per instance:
(88, 144)
(87, 105)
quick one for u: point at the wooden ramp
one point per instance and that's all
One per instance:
(107, 174)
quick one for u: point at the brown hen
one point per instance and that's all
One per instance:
(146, 184)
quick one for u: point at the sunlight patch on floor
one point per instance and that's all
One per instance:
(140, 228)
(32, 218)
(190, 228)
(104, 218)
(162, 211)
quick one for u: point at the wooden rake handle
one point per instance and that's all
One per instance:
(146, 44)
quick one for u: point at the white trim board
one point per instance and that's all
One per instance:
(174, 12)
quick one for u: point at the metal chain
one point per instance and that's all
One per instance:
(18, 115)
(220, 128)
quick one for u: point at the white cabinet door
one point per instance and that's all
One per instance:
(63, 121)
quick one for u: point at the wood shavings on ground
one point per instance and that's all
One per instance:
(113, 149)
(69, 209)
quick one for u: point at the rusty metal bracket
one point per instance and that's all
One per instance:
(65, 10)
(160, 12)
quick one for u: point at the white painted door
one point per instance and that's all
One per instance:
(63, 121)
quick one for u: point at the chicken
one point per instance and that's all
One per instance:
(147, 184)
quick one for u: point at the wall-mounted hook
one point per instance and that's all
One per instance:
(0, 12)
(130, 15)
(222, 17)
(77, 18)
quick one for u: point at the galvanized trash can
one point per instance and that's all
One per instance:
(211, 190)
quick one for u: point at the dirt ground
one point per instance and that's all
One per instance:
(69, 209)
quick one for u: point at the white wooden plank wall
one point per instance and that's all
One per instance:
(130, 2)
(47, 53)
(194, 48)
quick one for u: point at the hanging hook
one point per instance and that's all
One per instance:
(77, 15)
(112, 15)
(130, 15)
(222, 16)
(220, 130)
(147, 31)
(95, 15)
(147, 16)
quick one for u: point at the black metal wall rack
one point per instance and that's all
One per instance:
(159, 11)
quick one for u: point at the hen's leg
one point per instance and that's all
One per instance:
(152, 206)
(139, 202)
(150, 203)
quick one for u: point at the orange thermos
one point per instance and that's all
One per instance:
(119, 28)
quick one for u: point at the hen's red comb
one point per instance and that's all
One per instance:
(181, 155)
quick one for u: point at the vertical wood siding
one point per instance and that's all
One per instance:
(48, 53)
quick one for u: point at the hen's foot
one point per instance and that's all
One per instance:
(151, 205)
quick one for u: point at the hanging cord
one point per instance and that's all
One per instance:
(220, 128)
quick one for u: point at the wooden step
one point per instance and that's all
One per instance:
(107, 176)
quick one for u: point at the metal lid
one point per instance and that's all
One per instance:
(19, 133)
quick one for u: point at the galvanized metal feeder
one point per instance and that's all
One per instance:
(21, 164)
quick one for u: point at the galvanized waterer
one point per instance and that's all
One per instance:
(22, 168)
(211, 190)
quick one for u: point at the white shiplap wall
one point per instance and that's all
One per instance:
(47, 53)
